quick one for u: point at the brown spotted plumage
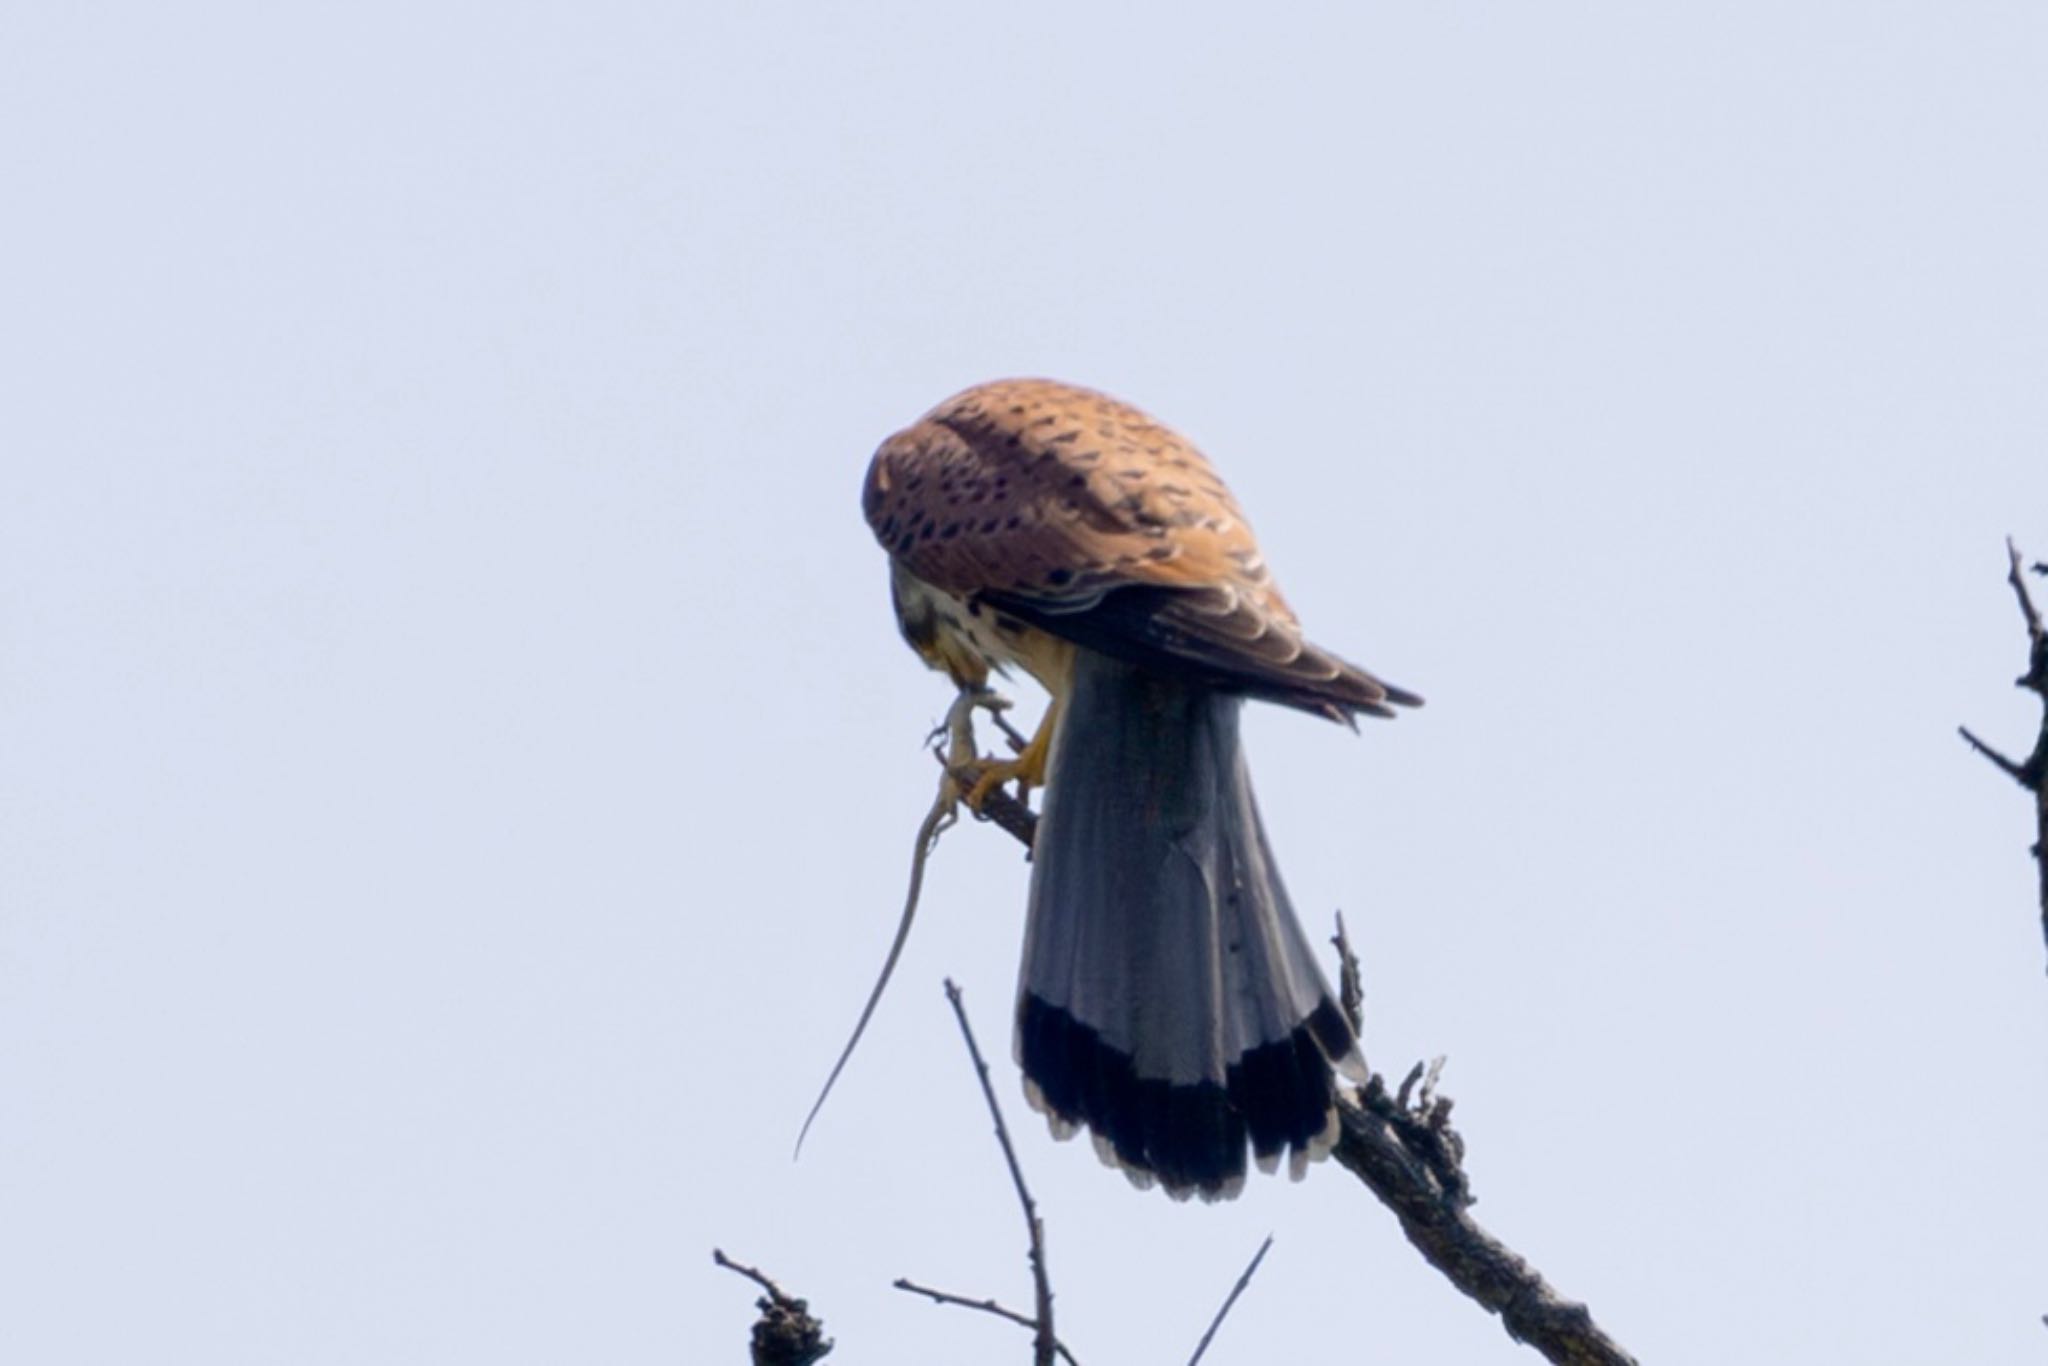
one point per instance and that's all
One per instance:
(1169, 1001)
(1083, 517)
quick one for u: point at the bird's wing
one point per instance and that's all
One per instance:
(1084, 517)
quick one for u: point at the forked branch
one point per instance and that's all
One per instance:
(1045, 1345)
(2030, 773)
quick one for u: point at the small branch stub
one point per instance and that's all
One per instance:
(1350, 983)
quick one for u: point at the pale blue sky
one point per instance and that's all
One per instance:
(457, 766)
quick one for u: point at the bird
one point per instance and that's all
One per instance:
(1168, 1000)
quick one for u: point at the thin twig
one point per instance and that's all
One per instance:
(1408, 1085)
(2017, 772)
(1428, 1102)
(2019, 587)
(1046, 1342)
(774, 1290)
(985, 1306)
(1231, 1298)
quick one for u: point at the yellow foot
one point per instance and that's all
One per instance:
(1027, 770)
(991, 774)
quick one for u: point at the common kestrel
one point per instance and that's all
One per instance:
(1169, 1000)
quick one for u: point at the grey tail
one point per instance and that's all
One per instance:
(1169, 1000)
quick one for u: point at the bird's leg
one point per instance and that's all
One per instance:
(1027, 770)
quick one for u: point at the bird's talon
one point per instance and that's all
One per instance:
(1027, 770)
(991, 779)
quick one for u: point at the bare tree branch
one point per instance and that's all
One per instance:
(1228, 1300)
(787, 1334)
(1412, 1160)
(2032, 772)
(1409, 1156)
